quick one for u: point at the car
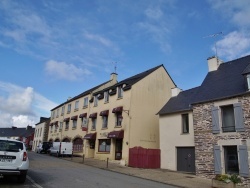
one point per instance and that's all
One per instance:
(61, 148)
(14, 159)
(43, 147)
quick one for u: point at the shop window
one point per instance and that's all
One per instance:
(104, 145)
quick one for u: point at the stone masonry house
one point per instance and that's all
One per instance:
(213, 120)
(107, 120)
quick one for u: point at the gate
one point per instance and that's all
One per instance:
(144, 158)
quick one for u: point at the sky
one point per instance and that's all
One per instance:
(52, 50)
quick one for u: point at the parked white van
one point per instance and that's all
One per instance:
(61, 148)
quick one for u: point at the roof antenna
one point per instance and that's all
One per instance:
(115, 66)
(215, 44)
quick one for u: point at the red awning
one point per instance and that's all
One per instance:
(83, 115)
(56, 123)
(66, 119)
(51, 124)
(116, 134)
(90, 136)
(117, 109)
(104, 113)
(94, 115)
(73, 117)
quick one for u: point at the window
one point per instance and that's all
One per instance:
(231, 160)
(228, 122)
(74, 123)
(62, 111)
(57, 112)
(106, 96)
(235, 160)
(120, 92)
(104, 121)
(76, 105)
(69, 108)
(104, 145)
(77, 145)
(85, 102)
(248, 81)
(40, 132)
(84, 122)
(61, 125)
(93, 126)
(95, 100)
(53, 115)
(67, 125)
(185, 123)
(118, 118)
(229, 118)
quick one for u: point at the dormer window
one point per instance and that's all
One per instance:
(248, 81)
(120, 92)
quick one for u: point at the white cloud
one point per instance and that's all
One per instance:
(62, 70)
(233, 45)
(21, 106)
(238, 12)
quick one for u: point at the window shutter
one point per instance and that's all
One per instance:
(215, 119)
(243, 155)
(238, 114)
(217, 160)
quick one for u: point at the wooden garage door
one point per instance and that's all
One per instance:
(186, 159)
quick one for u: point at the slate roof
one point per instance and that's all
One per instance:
(227, 81)
(129, 82)
(180, 103)
(16, 132)
(81, 95)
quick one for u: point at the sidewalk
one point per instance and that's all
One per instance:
(164, 176)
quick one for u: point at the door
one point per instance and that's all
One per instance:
(186, 159)
(118, 149)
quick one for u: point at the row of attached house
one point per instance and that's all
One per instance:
(24, 134)
(206, 130)
(111, 118)
(203, 130)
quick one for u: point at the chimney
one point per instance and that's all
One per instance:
(175, 91)
(213, 63)
(113, 77)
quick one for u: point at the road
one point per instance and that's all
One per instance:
(51, 172)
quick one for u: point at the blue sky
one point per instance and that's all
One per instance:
(52, 50)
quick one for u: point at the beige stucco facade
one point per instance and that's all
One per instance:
(139, 124)
(171, 137)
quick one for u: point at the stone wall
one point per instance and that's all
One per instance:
(205, 140)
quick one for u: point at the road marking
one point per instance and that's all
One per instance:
(34, 183)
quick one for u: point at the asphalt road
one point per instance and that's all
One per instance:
(51, 172)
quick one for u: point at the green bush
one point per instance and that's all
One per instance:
(228, 178)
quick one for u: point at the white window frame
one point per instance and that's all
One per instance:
(69, 108)
(74, 123)
(104, 122)
(93, 126)
(62, 112)
(95, 100)
(185, 123)
(106, 96)
(85, 102)
(76, 105)
(120, 91)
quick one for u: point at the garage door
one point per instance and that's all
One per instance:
(186, 159)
